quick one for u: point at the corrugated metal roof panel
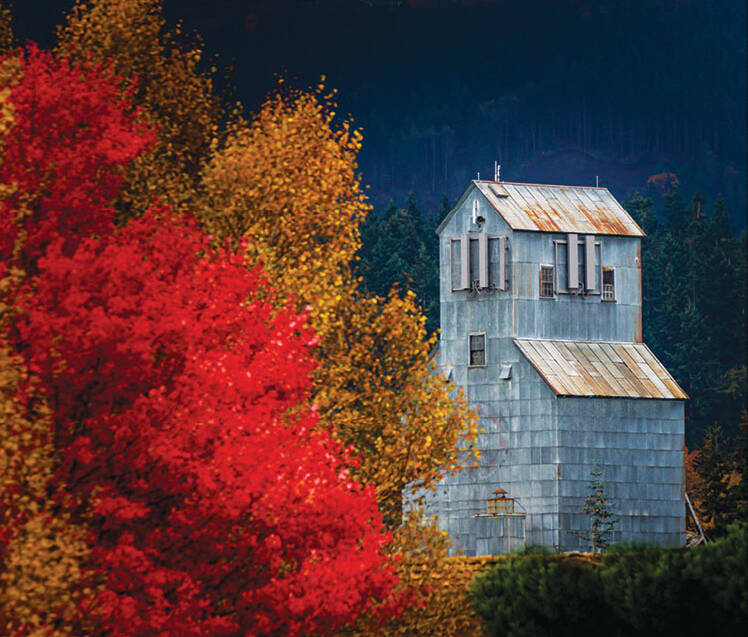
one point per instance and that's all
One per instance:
(559, 208)
(616, 370)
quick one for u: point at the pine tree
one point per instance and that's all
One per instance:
(400, 249)
(714, 468)
(444, 209)
(674, 210)
(602, 519)
(691, 264)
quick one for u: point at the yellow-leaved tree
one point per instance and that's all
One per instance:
(286, 185)
(42, 580)
(6, 29)
(163, 68)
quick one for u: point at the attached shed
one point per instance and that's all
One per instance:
(540, 291)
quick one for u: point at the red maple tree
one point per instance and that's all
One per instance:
(185, 441)
(72, 131)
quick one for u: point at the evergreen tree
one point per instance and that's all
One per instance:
(692, 265)
(444, 208)
(602, 519)
(640, 208)
(714, 468)
(400, 249)
(674, 210)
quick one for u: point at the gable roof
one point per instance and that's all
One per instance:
(546, 208)
(586, 368)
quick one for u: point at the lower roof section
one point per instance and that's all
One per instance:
(588, 368)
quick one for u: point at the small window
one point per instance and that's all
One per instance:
(546, 281)
(609, 284)
(477, 350)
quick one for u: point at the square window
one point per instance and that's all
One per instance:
(477, 350)
(546, 281)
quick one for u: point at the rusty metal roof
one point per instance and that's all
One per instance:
(583, 368)
(548, 208)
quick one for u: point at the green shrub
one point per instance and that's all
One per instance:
(636, 591)
(540, 595)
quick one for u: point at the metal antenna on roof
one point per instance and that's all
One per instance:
(597, 181)
(478, 175)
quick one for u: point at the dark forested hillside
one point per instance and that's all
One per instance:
(694, 306)
(558, 91)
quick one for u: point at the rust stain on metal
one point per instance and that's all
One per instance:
(583, 368)
(548, 208)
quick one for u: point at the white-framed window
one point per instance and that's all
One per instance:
(477, 349)
(609, 284)
(546, 282)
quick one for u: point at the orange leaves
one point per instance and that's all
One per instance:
(287, 184)
(161, 71)
(663, 181)
(42, 554)
(378, 390)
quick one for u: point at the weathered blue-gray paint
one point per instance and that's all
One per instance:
(538, 446)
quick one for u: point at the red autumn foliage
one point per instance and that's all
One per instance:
(663, 181)
(216, 505)
(73, 130)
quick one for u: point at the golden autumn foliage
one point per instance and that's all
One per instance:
(6, 29)
(170, 87)
(42, 581)
(287, 185)
(441, 584)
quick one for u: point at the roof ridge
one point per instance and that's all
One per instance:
(575, 340)
(553, 208)
(529, 183)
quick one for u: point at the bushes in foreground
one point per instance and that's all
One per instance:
(638, 591)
